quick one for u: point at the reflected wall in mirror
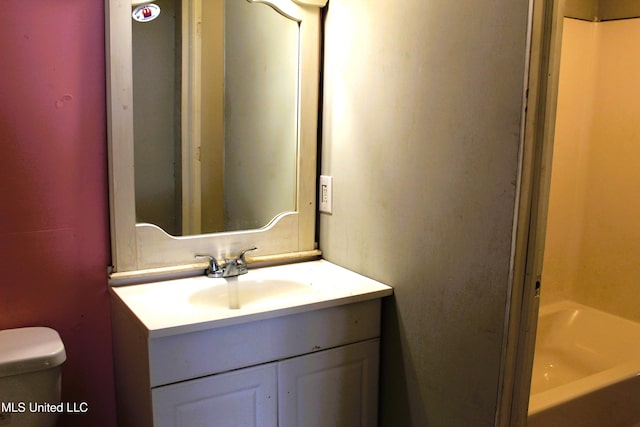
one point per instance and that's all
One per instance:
(215, 95)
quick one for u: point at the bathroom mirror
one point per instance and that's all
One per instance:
(239, 110)
(215, 90)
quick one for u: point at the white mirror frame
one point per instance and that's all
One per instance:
(142, 250)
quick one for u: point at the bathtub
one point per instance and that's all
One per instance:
(586, 369)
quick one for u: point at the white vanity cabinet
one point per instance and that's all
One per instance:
(246, 397)
(330, 388)
(291, 360)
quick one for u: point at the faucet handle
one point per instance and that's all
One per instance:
(241, 258)
(214, 269)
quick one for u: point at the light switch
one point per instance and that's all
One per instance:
(326, 192)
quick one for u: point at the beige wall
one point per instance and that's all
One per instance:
(593, 240)
(421, 128)
(155, 132)
(261, 114)
(574, 119)
(212, 120)
(248, 117)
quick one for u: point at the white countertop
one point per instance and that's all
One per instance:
(198, 303)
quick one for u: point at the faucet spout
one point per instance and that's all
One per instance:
(236, 266)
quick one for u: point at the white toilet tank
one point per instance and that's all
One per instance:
(30, 360)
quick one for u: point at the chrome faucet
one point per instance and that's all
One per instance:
(231, 267)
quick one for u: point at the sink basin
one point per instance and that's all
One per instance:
(239, 292)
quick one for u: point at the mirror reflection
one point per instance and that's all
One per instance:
(215, 95)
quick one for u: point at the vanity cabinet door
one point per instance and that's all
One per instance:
(332, 388)
(246, 397)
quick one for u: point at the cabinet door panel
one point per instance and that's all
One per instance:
(246, 397)
(332, 388)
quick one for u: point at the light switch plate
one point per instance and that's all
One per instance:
(326, 194)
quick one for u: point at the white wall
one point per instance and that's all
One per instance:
(421, 128)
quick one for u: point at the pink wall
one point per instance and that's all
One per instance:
(54, 245)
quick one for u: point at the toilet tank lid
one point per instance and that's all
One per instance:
(29, 349)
